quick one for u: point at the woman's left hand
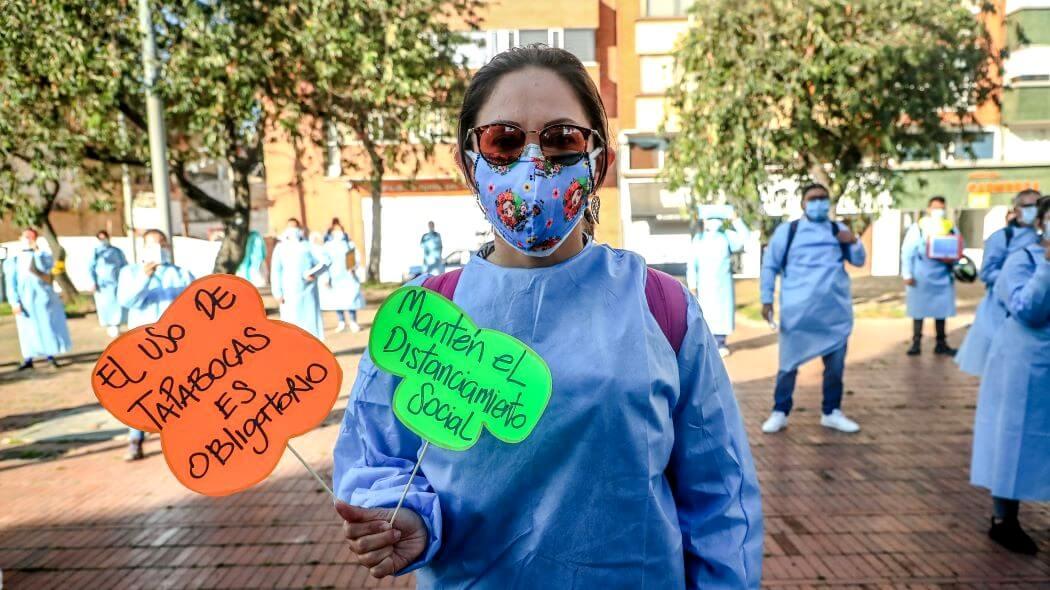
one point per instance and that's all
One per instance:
(383, 549)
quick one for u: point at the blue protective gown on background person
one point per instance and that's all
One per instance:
(1011, 434)
(105, 269)
(433, 263)
(302, 305)
(254, 257)
(638, 474)
(709, 272)
(991, 312)
(343, 291)
(146, 297)
(933, 295)
(816, 308)
(42, 329)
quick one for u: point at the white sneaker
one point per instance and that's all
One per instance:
(355, 327)
(776, 422)
(838, 421)
(113, 331)
(340, 326)
(723, 352)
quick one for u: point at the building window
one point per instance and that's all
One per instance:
(657, 73)
(646, 153)
(530, 36)
(979, 146)
(665, 8)
(581, 43)
(476, 51)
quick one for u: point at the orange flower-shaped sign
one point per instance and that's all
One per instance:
(223, 385)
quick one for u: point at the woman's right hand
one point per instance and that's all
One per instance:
(383, 549)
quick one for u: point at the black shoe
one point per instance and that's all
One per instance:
(916, 347)
(53, 363)
(943, 348)
(26, 365)
(1009, 534)
(134, 452)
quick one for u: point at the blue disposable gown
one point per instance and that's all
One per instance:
(816, 309)
(42, 329)
(302, 306)
(254, 256)
(1011, 434)
(433, 263)
(991, 312)
(146, 297)
(342, 290)
(933, 295)
(710, 274)
(638, 474)
(105, 269)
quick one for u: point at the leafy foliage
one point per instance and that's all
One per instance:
(833, 90)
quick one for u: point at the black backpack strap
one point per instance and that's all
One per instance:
(792, 230)
(1009, 231)
(844, 248)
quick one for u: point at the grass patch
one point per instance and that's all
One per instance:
(81, 305)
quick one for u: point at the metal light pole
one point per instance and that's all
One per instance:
(125, 181)
(158, 155)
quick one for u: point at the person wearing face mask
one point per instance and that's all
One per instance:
(254, 258)
(1011, 434)
(145, 290)
(433, 262)
(40, 317)
(816, 310)
(929, 283)
(294, 270)
(1019, 233)
(709, 274)
(340, 289)
(638, 474)
(104, 269)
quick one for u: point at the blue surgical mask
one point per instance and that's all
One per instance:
(818, 209)
(533, 203)
(1028, 214)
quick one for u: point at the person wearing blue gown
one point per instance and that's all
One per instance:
(294, 269)
(929, 283)
(433, 262)
(340, 289)
(816, 309)
(40, 317)
(1019, 233)
(709, 273)
(251, 265)
(104, 270)
(639, 473)
(145, 290)
(1011, 433)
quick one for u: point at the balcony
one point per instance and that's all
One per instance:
(1026, 105)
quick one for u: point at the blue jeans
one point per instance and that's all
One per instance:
(136, 436)
(349, 312)
(720, 339)
(834, 367)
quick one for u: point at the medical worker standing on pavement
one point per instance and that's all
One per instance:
(816, 310)
(433, 261)
(40, 317)
(639, 474)
(710, 274)
(929, 283)
(146, 290)
(104, 270)
(294, 269)
(1018, 234)
(1011, 433)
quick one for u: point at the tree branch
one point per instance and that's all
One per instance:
(198, 196)
(94, 153)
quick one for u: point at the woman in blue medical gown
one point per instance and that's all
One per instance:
(639, 473)
(40, 317)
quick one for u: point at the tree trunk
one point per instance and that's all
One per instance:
(376, 182)
(236, 226)
(69, 292)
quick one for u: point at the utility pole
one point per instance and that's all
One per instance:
(158, 152)
(129, 205)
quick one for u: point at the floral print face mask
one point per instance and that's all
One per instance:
(534, 203)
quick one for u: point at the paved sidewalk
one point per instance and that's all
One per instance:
(888, 507)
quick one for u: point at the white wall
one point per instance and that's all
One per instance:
(457, 218)
(1030, 144)
(886, 244)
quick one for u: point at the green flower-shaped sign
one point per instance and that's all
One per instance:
(457, 378)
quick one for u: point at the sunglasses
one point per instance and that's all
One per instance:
(500, 144)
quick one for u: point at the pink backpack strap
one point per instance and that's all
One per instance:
(444, 284)
(667, 303)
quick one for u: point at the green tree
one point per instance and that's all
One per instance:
(404, 102)
(832, 90)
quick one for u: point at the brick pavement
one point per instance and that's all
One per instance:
(889, 507)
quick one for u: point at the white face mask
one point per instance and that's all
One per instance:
(938, 213)
(292, 234)
(153, 252)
